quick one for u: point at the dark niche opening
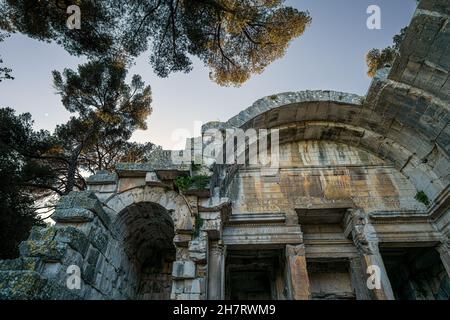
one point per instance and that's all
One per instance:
(416, 273)
(147, 233)
(254, 275)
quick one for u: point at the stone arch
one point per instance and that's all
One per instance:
(348, 118)
(145, 231)
(147, 224)
(175, 204)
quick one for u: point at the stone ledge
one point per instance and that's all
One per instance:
(262, 235)
(102, 178)
(133, 169)
(84, 200)
(251, 218)
(73, 215)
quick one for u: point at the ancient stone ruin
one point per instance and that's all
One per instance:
(362, 183)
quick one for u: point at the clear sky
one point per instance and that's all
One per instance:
(329, 56)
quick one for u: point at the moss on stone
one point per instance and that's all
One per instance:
(423, 198)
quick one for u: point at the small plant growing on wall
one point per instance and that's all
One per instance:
(198, 226)
(196, 182)
(423, 198)
(195, 167)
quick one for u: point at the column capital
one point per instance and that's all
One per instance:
(295, 250)
(217, 248)
(362, 231)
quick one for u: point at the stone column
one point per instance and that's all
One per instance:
(385, 291)
(216, 271)
(444, 252)
(359, 279)
(296, 273)
(366, 241)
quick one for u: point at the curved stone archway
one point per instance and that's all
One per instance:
(176, 206)
(145, 232)
(348, 118)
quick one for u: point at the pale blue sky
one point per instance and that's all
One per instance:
(329, 56)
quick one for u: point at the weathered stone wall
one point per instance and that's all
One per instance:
(122, 246)
(81, 238)
(358, 162)
(321, 172)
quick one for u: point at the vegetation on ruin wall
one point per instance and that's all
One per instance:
(189, 183)
(423, 198)
(198, 226)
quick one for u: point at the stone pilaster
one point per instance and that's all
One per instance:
(296, 273)
(359, 279)
(444, 252)
(366, 241)
(216, 271)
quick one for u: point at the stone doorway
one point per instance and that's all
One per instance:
(146, 232)
(254, 275)
(416, 273)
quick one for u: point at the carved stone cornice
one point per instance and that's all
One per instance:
(362, 231)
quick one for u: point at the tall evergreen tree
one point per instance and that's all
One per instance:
(233, 38)
(106, 111)
(5, 72)
(24, 168)
(377, 59)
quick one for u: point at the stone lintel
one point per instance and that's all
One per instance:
(201, 193)
(78, 215)
(262, 235)
(102, 178)
(252, 218)
(171, 174)
(133, 169)
(405, 229)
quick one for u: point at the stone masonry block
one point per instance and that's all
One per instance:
(74, 237)
(183, 270)
(48, 250)
(42, 233)
(84, 200)
(73, 215)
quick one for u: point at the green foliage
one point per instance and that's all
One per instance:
(198, 226)
(377, 59)
(422, 198)
(196, 182)
(106, 111)
(195, 167)
(183, 183)
(5, 73)
(233, 38)
(20, 172)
